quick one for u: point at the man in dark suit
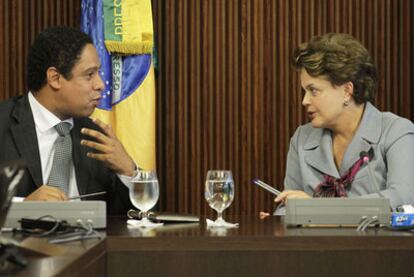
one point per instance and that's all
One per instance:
(64, 86)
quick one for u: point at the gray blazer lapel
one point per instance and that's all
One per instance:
(367, 135)
(318, 152)
(24, 135)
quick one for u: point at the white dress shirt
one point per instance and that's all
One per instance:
(46, 137)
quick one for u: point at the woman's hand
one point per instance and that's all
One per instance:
(281, 198)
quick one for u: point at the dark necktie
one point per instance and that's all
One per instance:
(59, 175)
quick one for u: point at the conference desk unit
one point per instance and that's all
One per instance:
(256, 248)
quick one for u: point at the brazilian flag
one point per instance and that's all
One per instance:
(122, 32)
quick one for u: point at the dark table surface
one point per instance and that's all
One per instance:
(255, 233)
(256, 241)
(258, 247)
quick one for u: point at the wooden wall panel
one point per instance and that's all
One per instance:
(227, 96)
(20, 22)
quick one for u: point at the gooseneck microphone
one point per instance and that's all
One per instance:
(366, 157)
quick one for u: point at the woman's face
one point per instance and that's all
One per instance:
(323, 101)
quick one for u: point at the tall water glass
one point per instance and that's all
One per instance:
(144, 192)
(219, 191)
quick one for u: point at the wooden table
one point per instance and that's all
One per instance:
(256, 248)
(87, 258)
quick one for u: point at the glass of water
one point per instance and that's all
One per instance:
(219, 191)
(144, 193)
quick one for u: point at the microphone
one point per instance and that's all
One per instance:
(366, 157)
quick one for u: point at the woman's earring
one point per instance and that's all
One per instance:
(346, 103)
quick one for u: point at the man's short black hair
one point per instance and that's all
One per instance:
(58, 47)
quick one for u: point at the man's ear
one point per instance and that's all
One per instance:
(53, 78)
(348, 91)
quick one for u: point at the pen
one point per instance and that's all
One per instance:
(266, 186)
(87, 195)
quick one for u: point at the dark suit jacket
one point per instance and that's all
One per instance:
(18, 140)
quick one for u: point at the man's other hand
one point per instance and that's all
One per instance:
(111, 150)
(46, 193)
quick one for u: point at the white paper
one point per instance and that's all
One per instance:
(221, 223)
(134, 223)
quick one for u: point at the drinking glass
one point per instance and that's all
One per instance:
(144, 193)
(219, 191)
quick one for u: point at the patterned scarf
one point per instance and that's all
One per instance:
(336, 187)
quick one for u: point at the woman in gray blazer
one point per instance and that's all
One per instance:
(331, 155)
